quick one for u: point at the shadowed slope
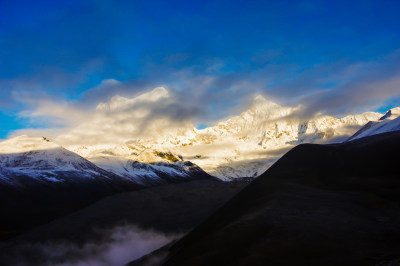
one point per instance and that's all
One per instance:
(37, 186)
(170, 210)
(40, 180)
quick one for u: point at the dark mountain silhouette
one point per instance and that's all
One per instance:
(333, 204)
(172, 209)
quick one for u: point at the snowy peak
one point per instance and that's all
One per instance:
(131, 151)
(24, 160)
(262, 103)
(391, 114)
(149, 174)
(387, 123)
(266, 109)
(38, 159)
(261, 134)
(140, 164)
(252, 122)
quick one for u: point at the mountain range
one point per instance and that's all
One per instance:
(240, 146)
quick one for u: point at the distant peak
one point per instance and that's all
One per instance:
(391, 114)
(260, 100)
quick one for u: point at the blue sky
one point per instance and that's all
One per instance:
(336, 57)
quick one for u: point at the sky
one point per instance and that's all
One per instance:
(60, 59)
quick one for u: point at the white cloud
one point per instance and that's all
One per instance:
(125, 119)
(117, 246)
(206, 98)
(60, 113)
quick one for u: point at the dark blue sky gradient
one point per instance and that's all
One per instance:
(64, 49)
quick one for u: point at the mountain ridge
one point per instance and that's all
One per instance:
(387, 123)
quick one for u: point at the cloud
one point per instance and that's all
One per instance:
(198, 97)
(122, 119)
(117, 246)
(361, 86)
(192, 98)
(64, 49)
(57, 113)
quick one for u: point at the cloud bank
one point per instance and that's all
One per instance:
(149, 115)
(204, 99)
(60, 59)
(118, 246)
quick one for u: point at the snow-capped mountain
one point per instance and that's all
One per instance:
(387, 123)
(246, 145)
(145, 166)
(25, 160)
(41, 180)
(42, 161)
(150, 174)
(241, 146)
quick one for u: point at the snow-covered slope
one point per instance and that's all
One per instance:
(387, 123)
(41, 161)
(136, 162)
(149, 174)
